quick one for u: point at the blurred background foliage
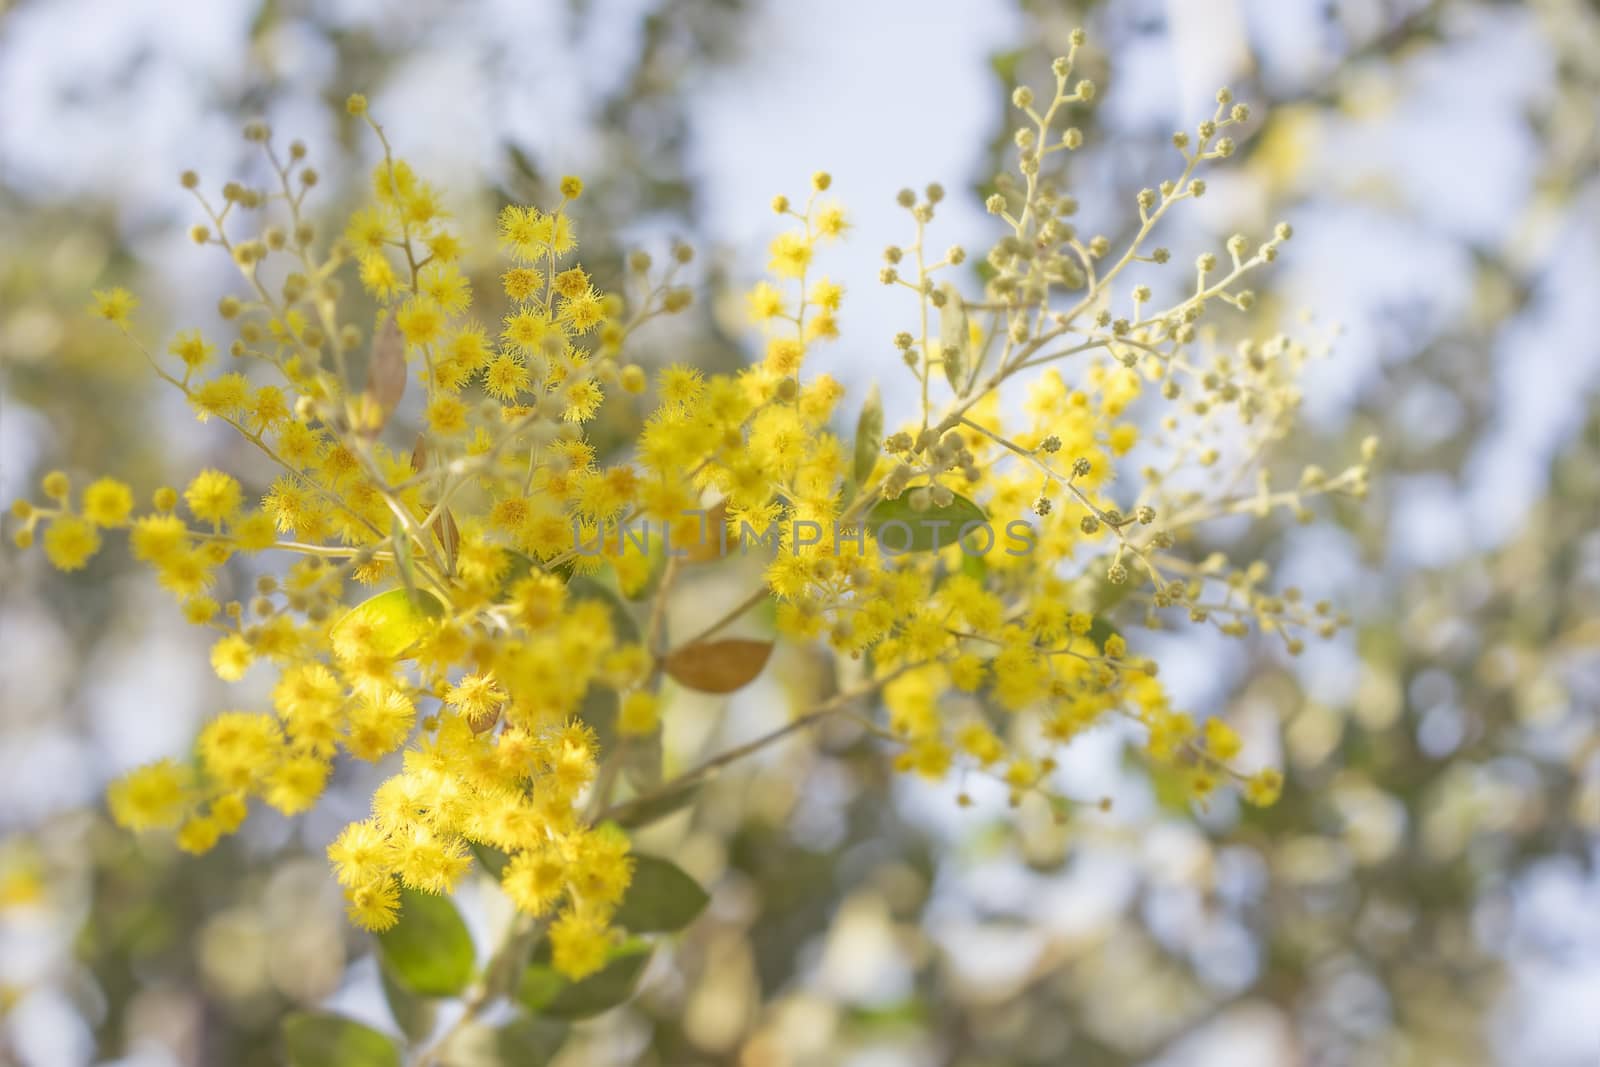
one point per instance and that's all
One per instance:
(1425, 892)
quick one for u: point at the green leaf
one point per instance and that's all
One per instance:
(869, 435)
(546, 992)
(599, 709)
(919, 531)
(644, 810)
(955, 337)
(1100, 596)
(975, 567)
(523, 164)
(318, 1039)
(492, 859)
(896, 1015)
(396, 620)
(641, 760)
(540, 985)
(401, 541)
(1169, 784)
(1100, 629)
(414, 1014)
(268, 15)
(660, 899)
(521, 566)
(519, 1043)
(428, 950)
(1004, 64)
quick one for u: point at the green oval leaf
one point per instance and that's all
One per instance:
(540, 985)
(899, 529)
(490, 858)
(1005, 64)
(599, 710)
(869, 435)
(546, 992)
(1100, 630)
(519, 1043)
(955, 337)
(414, 1014)
(641, 761)
(660, 899)
(396, 620)
(318, 1039)
(429, 950)
(520, 567)
(651, 807)
(975, 567)
(1095, 594)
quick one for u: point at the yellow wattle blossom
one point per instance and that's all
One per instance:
(151, 798)
(213, 496)
(192, 349)
(114, 305)
(791, 254)
(107, 503)
(69, 541)
(460, 598)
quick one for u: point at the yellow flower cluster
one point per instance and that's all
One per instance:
(477, 627)
(977, 561)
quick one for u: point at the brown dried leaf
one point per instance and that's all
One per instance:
(448, 534)
(718, 666)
